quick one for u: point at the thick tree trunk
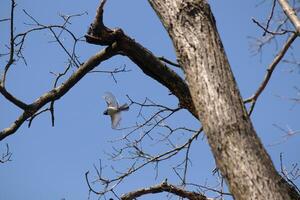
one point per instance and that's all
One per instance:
(238, 151)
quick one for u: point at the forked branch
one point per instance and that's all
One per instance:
(269, 72)
(60, 90)
(118, 43)
(152, 66)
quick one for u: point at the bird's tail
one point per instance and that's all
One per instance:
(124, 107)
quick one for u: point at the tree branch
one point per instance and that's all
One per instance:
(270, 17)
(291, 14)
(266, 30)
(110, 184)
(270, 70)
(11, 48)
(61, 90)
(148, 63)
(6, 156)
(164, 187)
(11, 98)
(157, 70)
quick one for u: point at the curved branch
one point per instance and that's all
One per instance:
(89, 185)
(270, 70)
(164, 187)
(11, 98)
(6, 157)
(152, 66)
(61, 90)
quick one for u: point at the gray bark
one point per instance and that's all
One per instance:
(238, 151)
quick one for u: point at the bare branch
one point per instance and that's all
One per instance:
(110, 184)
(164, 187)
(270, 17)
(291, 14)
(59, 91)
(122, 44)
(287, 134)
(58, 76)
(88, 182)
(35, 115)
(186, 160)
(295, 191)
(270, 70)
(266, 30)
(207, 188)
(115, 71)
(112, 72)
(67, 19)
(11, 98)
(11, 49)
(6, 156)
(77, 64)
(51, 28)
(294, 62)
(6, 19)
(260, 42)
(148, 122)
(99, 34)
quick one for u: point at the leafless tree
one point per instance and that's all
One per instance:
(238, 151)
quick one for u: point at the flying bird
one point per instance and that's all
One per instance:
(113, 109)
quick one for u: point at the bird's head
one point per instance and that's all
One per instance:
(105, 112)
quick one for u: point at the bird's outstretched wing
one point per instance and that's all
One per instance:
(110, 100)
(115, 120)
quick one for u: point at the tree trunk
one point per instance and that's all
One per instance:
(238, 151)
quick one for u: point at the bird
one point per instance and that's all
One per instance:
(113, 109)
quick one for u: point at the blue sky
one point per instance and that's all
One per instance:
(50, 162)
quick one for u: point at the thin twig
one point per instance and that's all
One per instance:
(266, 30)
(284, 173)
(6, 19)
(112, 72)
(270, 17)
(152, 159)
(12, 44)
(270, 70)
(6, 156)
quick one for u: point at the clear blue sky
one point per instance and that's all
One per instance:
(49, 163)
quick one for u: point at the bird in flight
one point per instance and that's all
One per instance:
(113, 109)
